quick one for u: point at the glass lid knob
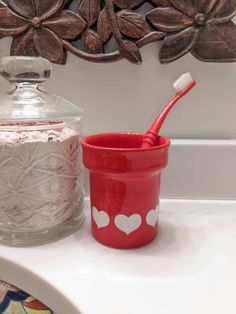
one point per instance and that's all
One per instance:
(25, 69)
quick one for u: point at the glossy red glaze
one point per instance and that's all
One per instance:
(152, 134)
(125, 184)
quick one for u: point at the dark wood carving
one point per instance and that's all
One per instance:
(86, 28)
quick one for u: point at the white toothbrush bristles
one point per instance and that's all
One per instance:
(183, 82)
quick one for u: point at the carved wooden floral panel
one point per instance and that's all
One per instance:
(90, 29)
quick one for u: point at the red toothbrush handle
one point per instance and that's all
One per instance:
(150, 138)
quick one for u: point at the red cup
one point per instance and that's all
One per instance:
(124, 187)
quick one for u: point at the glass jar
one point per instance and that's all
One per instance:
(41, 188)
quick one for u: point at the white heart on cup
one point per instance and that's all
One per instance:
(128, 224)
(101, 218)
(152, 217)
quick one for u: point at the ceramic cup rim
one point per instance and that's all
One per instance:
(85, 143)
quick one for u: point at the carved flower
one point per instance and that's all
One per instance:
(200, 26)
(38, 27)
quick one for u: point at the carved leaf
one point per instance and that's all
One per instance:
(150, 37)
(104, 26)
(132, 24)
(168, 19)
(89, 10)
(162, 3)
(178, 44)
(91, 41)
(127, 4)
(205, 6)
(130, 51)
(223, 11)
(186, 6)
(24, 45)
(11, 24)
(66, 24)
(48, 45)
(24, 8)
(217, 43)
(46, 8)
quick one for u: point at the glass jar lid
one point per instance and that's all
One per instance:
(27, 100)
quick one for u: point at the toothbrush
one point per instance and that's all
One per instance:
(183, 86)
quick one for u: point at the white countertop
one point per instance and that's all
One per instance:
(190, 268)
